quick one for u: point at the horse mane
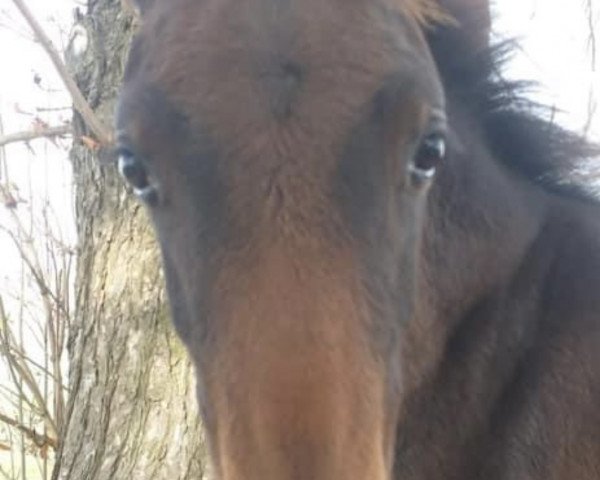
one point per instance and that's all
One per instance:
(426, 12)
(520, 132)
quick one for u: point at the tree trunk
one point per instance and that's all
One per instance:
(132, 411)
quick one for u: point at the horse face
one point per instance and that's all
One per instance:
(285, 151)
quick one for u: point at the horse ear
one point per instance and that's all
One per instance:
(473, 18)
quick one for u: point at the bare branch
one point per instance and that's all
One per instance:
(81, 105)
(17, 352)
(39, 439)
(53, 109)
(20, 370)
(589, 7)
(29, 135)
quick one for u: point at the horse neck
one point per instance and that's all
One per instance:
(480, 239)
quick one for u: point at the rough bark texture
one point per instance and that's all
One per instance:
(132, 411)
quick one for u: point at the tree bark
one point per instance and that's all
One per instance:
(132, 410)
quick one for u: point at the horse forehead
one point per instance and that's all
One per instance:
(266, 77)
(267, 53)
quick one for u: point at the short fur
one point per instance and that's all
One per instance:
(346, 320)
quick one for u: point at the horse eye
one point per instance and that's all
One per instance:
(430, 154)
(132, 170)
(135, 173)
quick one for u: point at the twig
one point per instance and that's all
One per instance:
(39, 439)
(592, 103)
(16, 352)
(52, 109)
(80, 103)
(591, 32)
(20, 370)
(29, 135)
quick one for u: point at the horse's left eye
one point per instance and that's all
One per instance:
(430, 154)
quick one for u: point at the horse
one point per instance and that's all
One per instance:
(374, 247)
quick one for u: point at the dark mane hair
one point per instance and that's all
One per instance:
(522, 133)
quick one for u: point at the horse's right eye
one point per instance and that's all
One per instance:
(135, 173)
(132, 170)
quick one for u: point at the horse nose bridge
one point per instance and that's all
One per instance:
(295, 386)
(300, 419)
